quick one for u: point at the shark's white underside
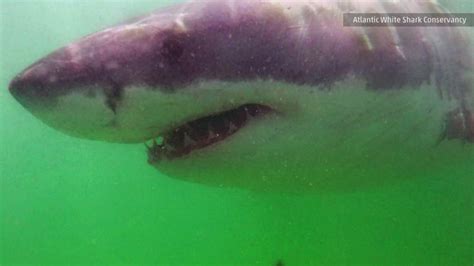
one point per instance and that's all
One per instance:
(319, 138)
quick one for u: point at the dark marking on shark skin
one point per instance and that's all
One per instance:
(172, 50)
(459, 124)
(113, 94)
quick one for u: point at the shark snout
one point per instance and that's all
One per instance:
(54, 75)
(99, 63)
(33, 83)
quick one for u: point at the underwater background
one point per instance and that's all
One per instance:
(70, 201)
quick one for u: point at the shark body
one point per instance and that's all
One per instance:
(267, 95)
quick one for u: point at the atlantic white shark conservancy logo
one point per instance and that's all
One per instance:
(267, 95)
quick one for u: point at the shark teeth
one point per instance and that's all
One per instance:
(212, 134)
(232, 127)
(188, 141)
(203, 132)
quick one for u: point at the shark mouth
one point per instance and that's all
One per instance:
(203, 132)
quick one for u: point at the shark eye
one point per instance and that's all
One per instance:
(172, 50)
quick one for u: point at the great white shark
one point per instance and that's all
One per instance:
(267, 95)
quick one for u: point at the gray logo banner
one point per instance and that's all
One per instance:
(409, 19)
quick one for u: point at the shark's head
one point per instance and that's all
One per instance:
(263, 95)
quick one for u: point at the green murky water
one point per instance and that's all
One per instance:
(65, 200)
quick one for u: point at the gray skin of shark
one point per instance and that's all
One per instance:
(278, 83)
